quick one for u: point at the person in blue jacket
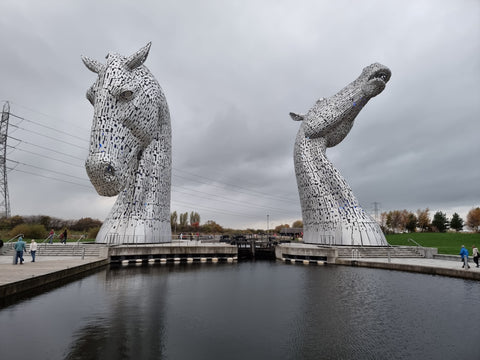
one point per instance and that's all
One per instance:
(19, 248)
(464, 255)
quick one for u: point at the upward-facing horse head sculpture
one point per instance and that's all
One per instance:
(130, 149)
(331, 213)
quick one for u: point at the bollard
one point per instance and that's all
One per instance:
(83, 254)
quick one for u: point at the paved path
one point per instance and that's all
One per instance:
(10, 273)
(439, 267)
(444, 264)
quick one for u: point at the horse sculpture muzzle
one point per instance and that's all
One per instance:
(104, 174)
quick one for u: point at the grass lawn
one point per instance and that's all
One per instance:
(446, 243)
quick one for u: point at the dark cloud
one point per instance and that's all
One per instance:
(232, 71)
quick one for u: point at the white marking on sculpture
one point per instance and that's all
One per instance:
(331, 213)
(130, 149)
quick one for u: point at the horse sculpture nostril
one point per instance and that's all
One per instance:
(109, 170)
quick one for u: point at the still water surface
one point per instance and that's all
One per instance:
(253, 310)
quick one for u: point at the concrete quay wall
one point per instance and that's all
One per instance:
(426, 261)
(170, 252)
(306, 253)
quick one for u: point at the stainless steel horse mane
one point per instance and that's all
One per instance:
(130, 149)
(331, 213)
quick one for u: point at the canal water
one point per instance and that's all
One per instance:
(251, 310)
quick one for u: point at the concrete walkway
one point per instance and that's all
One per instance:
(43, 265)
(16, 279)
(419, 265)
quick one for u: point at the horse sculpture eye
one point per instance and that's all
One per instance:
(126, 95)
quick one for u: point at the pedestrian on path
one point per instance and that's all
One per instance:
(63, 236)
(51, 234)
(464, 255)
(475, 254)
(33, 249)
(19, 248)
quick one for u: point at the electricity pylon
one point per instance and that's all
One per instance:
(4, 199)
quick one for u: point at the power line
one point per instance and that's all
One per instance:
(237, 186)
(47, 136)
(196, 178)
(45, 156)
(227, 200)
(256, 193)
(49, 177)
(223, 212)
(45, 148)
(52, 171)
(249, 191)
(46, 115)
(50, 128)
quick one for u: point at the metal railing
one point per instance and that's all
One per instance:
(416, 243)
(45, 242)
(11, 240)
(77, 244)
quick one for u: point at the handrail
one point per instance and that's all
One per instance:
(48, 237)
(84, 236)
(415, 243)
(8, 242)
(77, 244)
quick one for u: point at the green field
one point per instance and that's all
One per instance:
(446, 243)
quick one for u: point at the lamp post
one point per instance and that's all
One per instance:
(268, 218)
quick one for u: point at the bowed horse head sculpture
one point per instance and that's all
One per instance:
(331, 213)
(130, 149)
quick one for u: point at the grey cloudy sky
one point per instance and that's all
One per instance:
(231, 72)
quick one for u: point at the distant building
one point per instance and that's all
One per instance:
(295, 232)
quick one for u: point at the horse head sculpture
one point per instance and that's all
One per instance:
(331, 213)
(130, 149)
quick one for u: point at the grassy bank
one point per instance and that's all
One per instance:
(446, 243)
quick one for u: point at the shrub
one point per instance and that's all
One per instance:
(85, 224)
(33, 231)
(92, 233)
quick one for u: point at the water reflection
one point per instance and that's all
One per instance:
(130, 324)
(253, 310)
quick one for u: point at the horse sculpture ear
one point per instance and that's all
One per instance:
(92, 65)
(297, 117)
(138, 58)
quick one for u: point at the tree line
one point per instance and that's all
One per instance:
(190, 223)
(398, 221)
(38, 226)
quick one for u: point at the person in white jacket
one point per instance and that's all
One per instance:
(475, 254)
(33, 249)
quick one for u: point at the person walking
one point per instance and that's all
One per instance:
(19, 248)
(464, 255)
(51, 234)
(475, 255)
(33, 249)
(64, 236)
